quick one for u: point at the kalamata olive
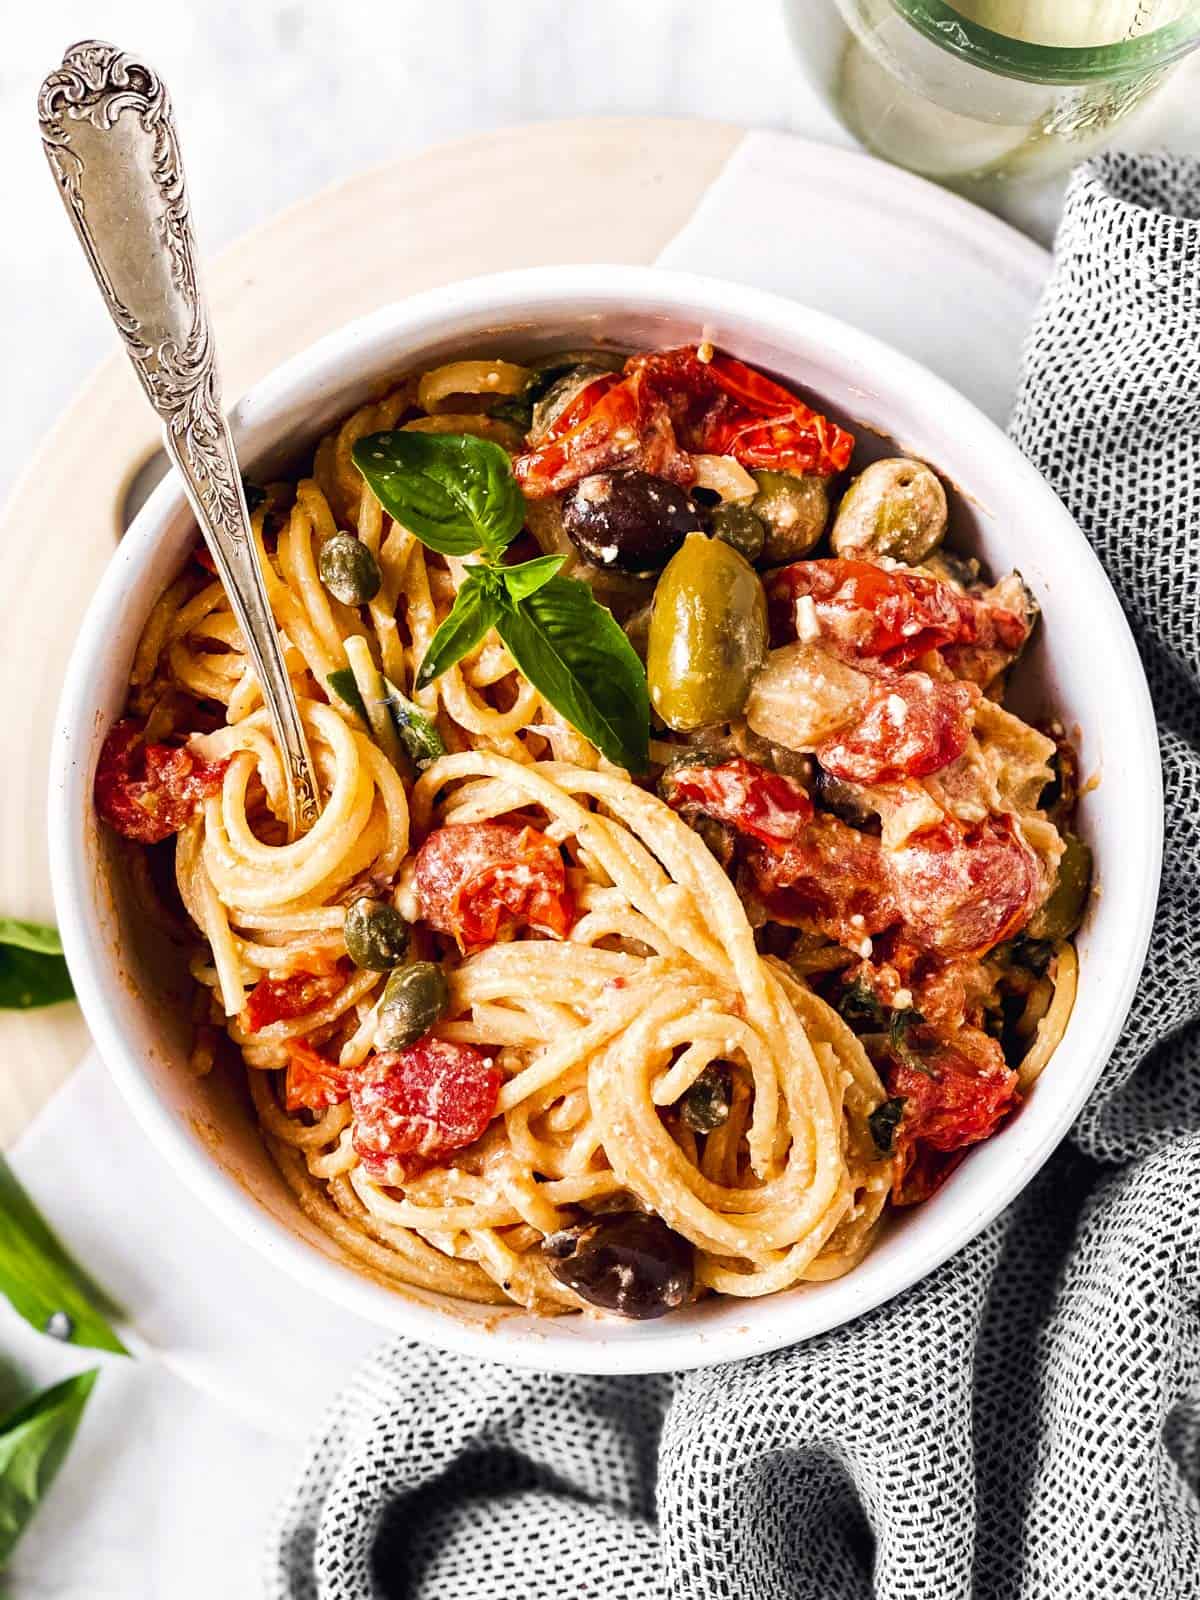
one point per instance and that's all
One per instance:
(624, 1261)
(794, 509)
(708, 635)
(348, 570)
(705, 1105)
(376, 934)
(1063, 911)
(893, 508)
(738, 526)
(632, 521)
(842, 799)
(414, 998)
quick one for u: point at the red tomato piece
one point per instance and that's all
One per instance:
(148, 791)
(571, 416)
(671, 405)
(481, 880)
(911, 726)
(766, 805)
(956, 1102)
(865, 611)
(313, 1083)
(413, 1106)
(962, 891)
(831, 879)
(281, 999)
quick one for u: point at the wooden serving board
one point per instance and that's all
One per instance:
(601, 190)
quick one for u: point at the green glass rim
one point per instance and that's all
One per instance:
(1044, 63)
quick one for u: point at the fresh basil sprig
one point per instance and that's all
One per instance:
(458, 495)
(40, 1279)
(32, 969)
(34, 1439)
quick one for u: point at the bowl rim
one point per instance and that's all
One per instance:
(331, 360)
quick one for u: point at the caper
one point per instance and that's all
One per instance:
(893, 508)
(738, 527)
(349, 571)
(414, 998)
(708, 635)
(794, 510)
(630, 521)
(1062, 913)
(624, 1261)
(376, 934)
(705, 1105)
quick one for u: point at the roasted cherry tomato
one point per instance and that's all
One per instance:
(313, 1083)
(869, 612)
(962, 891)
(831, 879)
(950, 1102)
(280, 999)
(414, 1106)
(671, 405)
(148, 791)
(478, 880)
(757, 802)
(911, 726)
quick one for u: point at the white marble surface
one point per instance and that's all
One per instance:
(166, 1494)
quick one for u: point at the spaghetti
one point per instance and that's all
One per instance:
(746, 1011)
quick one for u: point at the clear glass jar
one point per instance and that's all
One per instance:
(990, 87)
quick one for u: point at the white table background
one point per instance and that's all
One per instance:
(276, 100)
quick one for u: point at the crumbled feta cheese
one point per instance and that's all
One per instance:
(808, 626)
(705, 352)
(858, 920)
(902, 1000)
(865, 949)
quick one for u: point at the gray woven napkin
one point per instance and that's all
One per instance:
(1026, 1421)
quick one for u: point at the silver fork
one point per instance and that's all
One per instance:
(109, 136)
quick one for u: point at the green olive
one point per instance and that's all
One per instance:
(893, 508)
(349, 571)
(739, 527)
(708, 635)
(705, 1106)
(794, 509)
(1063, 911)
(376, 934)
(414, 998)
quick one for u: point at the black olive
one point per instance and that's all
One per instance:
(632, 521)
(705, 1106)
(843, 800)
(624, 1261)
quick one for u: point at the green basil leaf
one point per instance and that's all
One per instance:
(526, 579)
(576, 653)
(32, 969)
(345, 686)
(457, 493)
(417, 732)
(883, 1122)
(40, 1279)
(475, 611)
(34, 1440)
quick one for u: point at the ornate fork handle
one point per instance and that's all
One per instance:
(109, 136)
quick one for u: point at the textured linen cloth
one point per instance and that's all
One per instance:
(1024, 1422)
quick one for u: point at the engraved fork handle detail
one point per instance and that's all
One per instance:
(109, 136)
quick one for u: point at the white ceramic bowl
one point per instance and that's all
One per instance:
(1084, 666)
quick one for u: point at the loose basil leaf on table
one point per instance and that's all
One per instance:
(42, 1282)
(475, 611)
(32, 969)
(456, 492)
(34, 1439)
(575, 652)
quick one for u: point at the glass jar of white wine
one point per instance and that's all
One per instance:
(990, 87)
